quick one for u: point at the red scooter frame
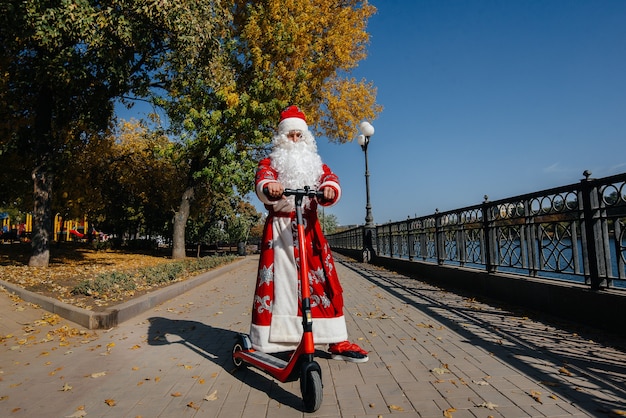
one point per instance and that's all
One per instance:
(300, 364)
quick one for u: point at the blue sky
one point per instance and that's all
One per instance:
(485, 97)
(496, 98)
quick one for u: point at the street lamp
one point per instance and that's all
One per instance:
(369, 231)
(367, 130)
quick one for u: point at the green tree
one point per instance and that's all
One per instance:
(63, 64)
(328, 221)
(135, 183)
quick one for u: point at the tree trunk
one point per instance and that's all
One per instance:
(180, 222)
(42, 218)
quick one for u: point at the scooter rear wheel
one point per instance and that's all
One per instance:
(312, 395)
(237, 362)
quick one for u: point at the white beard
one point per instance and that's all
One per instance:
(298, 164)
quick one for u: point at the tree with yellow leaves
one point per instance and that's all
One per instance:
(275, 53)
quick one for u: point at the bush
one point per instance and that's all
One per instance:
(114, 282)
(117, 282)
(163, 274)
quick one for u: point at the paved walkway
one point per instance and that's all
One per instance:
(432, 353)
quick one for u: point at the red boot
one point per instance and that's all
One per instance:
(348, 352)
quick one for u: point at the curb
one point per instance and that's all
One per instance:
(117, 314)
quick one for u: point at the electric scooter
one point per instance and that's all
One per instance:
(301, 363)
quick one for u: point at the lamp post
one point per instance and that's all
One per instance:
(369, 231)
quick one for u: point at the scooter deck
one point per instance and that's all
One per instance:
(267, 359)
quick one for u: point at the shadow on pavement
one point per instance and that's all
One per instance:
(542, 350)
(215, 344)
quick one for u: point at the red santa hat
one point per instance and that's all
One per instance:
(292, 119)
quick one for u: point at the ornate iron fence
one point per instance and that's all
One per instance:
(569, 233)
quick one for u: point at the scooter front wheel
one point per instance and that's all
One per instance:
(312, 391)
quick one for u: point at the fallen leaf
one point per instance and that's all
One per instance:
(448, 412)
(99, 374)
(488, 405)
(396, 408)
(193, 405)
(564, 371)
(536, 396)
(110, 402)
(66, 388)
(440, 370)
(211, 397)
(80, 412)
(480, 382)
(177, 394)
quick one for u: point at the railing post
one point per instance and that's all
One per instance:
(409, 239)
(369, 243)
(439, 239)
(592, 231)
(489, 236)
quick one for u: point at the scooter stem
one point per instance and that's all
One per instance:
(307, 320)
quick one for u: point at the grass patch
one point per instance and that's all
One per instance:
(115, 282)
(92, 279)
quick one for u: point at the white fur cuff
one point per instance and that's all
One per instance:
(292, 124)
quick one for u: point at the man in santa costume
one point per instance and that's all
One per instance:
(276, 316)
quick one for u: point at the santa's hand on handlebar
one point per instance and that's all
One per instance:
(329, 193)
(274, 190)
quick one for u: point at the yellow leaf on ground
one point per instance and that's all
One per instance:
(564, 371)
(536, 396)
(448, 412)
(488, 405)
(78, 414)
(211, 397)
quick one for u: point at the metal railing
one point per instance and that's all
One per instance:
(569, 233)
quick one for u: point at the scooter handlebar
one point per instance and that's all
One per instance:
(305, 191)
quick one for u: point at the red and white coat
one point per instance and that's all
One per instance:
(276, 312)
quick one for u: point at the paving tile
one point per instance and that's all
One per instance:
(492, 355)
